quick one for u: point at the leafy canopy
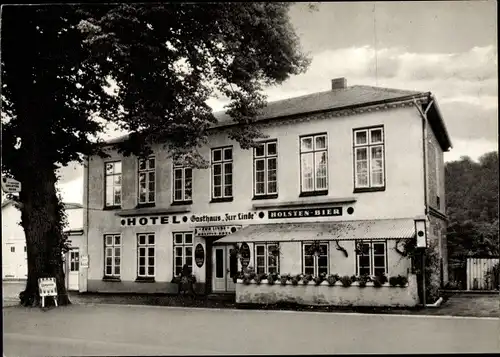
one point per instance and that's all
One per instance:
(148, 68)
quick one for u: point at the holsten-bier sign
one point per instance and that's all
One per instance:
(243, 217)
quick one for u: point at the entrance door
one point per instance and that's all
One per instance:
(74, 268)
(225, 266)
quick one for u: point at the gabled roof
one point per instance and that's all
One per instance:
(357, 96)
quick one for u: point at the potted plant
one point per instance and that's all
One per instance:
(295, 280)
(379, 280)
(362, 280)
(332, 279)
(284, 279)
(306, 279)
(346, 281)
(403, 280)
(394, 280)
(271, 278)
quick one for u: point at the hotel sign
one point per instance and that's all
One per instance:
(303, 213)
(215, 230)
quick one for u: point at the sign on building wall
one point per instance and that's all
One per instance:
(244, 255)
(215, 230)
(84, 261)
(260, 216)
(199, 255)
(301, 213)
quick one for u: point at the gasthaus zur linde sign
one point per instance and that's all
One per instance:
(231, 217)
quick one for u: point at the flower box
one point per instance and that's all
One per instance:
(324, 294)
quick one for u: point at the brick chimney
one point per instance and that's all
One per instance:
(339, 83)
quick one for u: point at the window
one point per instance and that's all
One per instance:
(146, 255)
(265, 259)
(113, 184)
(147, 180)
(183, 183)
(265, 162)
(316, 264)
(222, 173)
(369, 158)
(74, 260)
(12, 249)
(371, 258)
(183, 251)
(313, 163)
(25, 249)
(112, 255)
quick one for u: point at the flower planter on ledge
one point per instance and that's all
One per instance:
(324, 294)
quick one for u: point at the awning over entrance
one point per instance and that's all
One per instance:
(343, 230)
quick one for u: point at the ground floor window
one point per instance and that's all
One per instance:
(112, 255)
(146, 258)
(183, 251)
(266, 258)
(315, 258)
(371, 257)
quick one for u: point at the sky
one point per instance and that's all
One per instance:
(446, 47)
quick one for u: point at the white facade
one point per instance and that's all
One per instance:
(14, 256)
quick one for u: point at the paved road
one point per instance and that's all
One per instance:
(139, 330)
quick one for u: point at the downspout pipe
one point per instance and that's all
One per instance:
(423, 115)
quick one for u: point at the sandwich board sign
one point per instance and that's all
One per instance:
(9, 185)
(47, 287)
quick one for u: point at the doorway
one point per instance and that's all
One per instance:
(225, 266)
(74, 269)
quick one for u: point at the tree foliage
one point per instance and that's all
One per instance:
(148, 68)
(472, 205)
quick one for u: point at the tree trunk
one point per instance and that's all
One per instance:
(42, 220)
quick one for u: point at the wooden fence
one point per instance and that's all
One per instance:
(477, 269)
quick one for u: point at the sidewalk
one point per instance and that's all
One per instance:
(476, 305)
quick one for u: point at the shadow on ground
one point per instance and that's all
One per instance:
(457, 304)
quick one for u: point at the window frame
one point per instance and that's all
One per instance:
(368, 146)
(315, 190)
(266, 246)
(106, 188)
(222, 162)
(266, 158)
(371, 255)
(147, 170)
(147, 246)
(183, 200)
(315, 258)
(113, 246)
(183, 245)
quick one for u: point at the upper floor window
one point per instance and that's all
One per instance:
(265, 169)
(314, 163)
(369, 158)
(113, 184)
(183, 183)
(147, 180)
(222, 173)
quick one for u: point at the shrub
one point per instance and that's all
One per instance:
(394, 280)
(346, 281)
